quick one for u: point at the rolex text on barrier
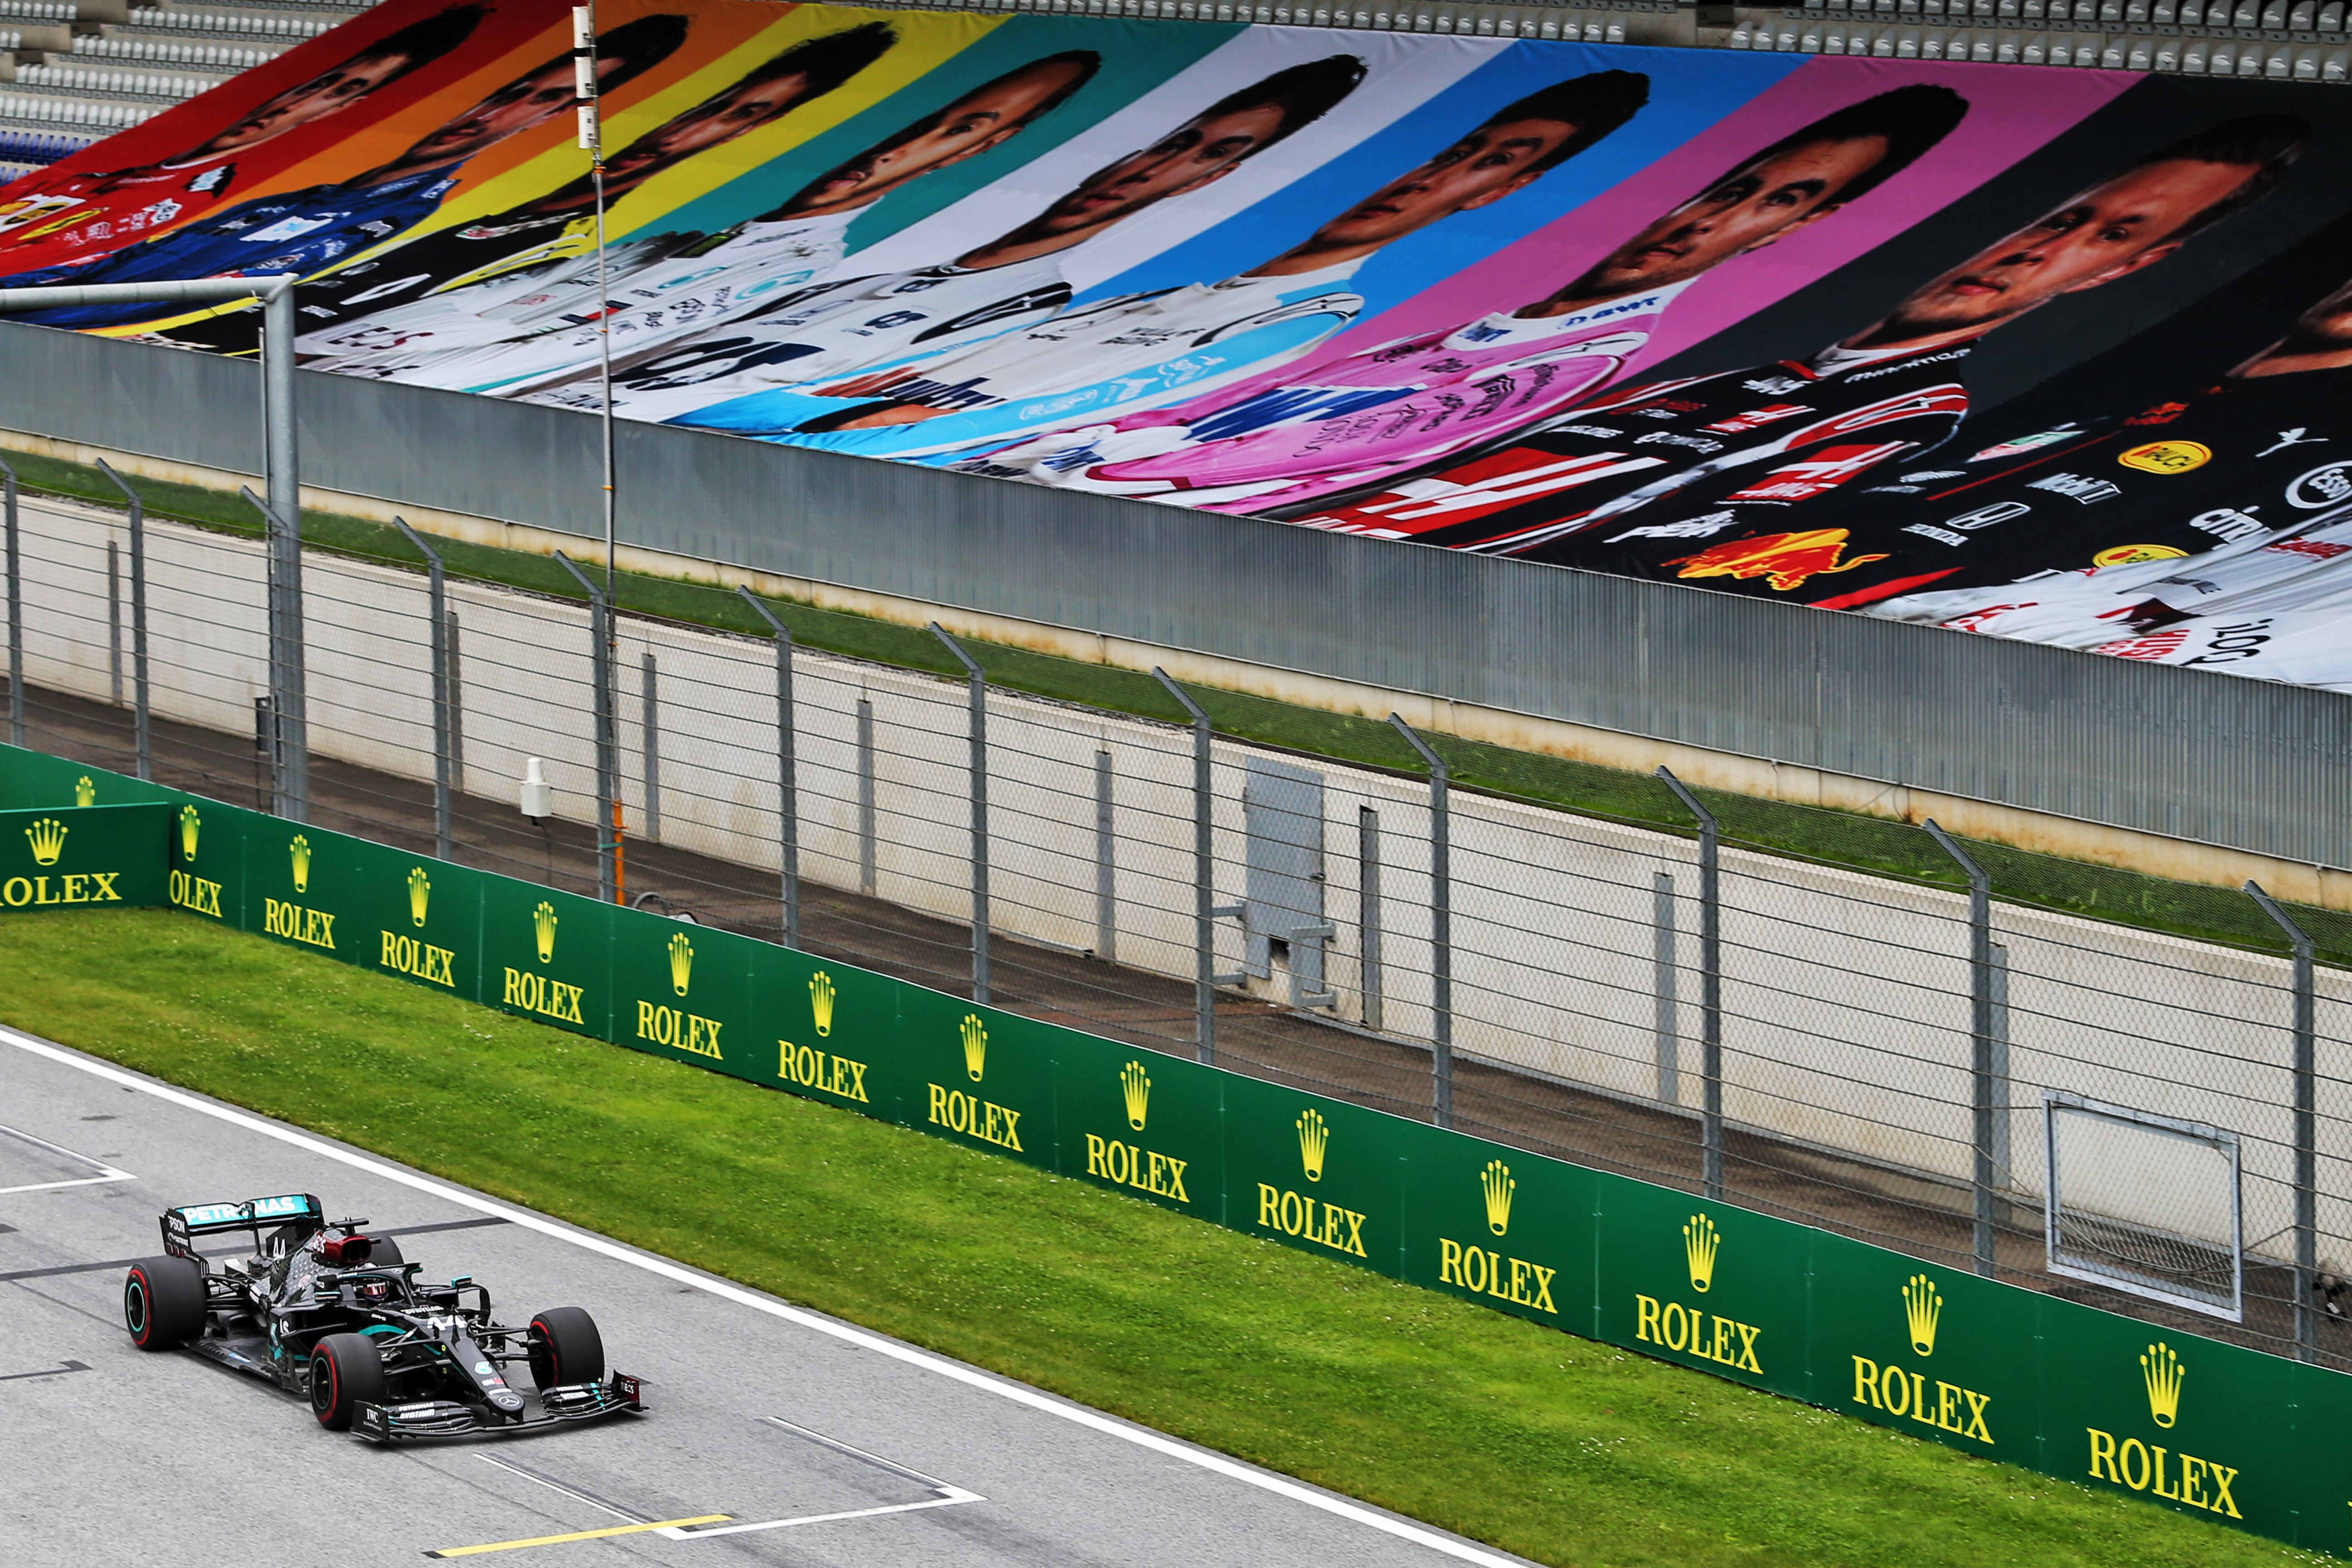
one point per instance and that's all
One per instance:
(2108, 1402)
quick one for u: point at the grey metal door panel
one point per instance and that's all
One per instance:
(1282, 816)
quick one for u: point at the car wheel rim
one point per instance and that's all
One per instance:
(134, 1307)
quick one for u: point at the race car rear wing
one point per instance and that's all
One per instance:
(182, 1225)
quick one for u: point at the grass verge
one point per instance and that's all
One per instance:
(1559, 1448)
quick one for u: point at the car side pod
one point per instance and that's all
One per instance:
(443, 1420)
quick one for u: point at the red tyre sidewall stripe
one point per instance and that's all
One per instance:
(554, 1364)
(334, 1388)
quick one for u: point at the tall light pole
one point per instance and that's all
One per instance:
(592, 142)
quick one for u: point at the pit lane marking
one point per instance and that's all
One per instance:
(955, 1372)
(111, 1175)
(50, 1371)
(599, 1504)
(575, 1535)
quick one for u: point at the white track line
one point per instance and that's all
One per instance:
(111, 1175)
(1078, 1414)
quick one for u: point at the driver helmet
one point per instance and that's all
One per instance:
(375, 1289)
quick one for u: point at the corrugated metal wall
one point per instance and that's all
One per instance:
(2250, 765)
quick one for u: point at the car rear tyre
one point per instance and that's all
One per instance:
(163, 1302)
(565, 1348)
(345, 1370)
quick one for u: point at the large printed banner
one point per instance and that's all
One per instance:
(1998, 348)
(2006, 1374)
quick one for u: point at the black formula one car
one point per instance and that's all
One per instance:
(323, 1311)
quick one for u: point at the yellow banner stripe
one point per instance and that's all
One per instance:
(579, 1535)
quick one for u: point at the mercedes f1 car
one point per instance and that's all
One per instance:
(326, 1312)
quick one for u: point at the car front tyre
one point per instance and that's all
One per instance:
(346, 1370)
(163, 1302)
(565, 1348)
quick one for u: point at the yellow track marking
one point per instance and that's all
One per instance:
(578, 1535)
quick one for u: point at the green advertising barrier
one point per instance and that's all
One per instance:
(2111, 1403)
(83, 857)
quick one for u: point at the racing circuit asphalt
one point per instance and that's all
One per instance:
(844, 1446)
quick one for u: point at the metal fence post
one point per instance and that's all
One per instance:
(142, 723)
(788, 781)
(1106, 863)
(1980, 1034)
(288, 708)
(15, 610)
(113, 624)
(1441, 923)
(2306, 1148)
(649, 727)
(865, 824)
(437, 616)
(608, 773)
(1663, 942)
(1710, 988)
(979, 736)
(1205, 907)
(1368, 909)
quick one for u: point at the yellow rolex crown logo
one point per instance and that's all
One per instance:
(300, 850)
(1923, 1309)
(1700, 1242)
(821, 1001)
(1497, 1181)
(189, 823)
(2162, 1372)
(542, 923)
(85, 791)
(975, 1046)
(420, 889)
(681, 962)
(47, 837)
(1314, 1137)
(1136, 1090)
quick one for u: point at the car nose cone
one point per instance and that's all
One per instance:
(507, 1402)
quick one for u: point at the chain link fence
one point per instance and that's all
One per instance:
(1918, 1044)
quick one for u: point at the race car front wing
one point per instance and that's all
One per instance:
(446, 1420)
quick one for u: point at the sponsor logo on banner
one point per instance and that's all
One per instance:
(975, 1118)
(1331, 1224)
(826, 1074)
(298, 854)
(975, 1046)
(1314, 1138)
(85, 791)
(676, 1027)
(542, 925)
(47, 837)
(2132, 555)
(1675, 1326)
(1901, 1391)
(1785, 560)
(1131, 1164)
(1483, 1272)
(2330, 484)
(2142, 1464)
(189, 825)
(420, 892)
(536, 992)
(821, 1003)
(2167, 457)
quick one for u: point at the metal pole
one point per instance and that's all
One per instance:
(608, 780)
(788, 788)
(1980, 1034)
(15, 611)
(445, 751)
(455, 642)
(1368, 909)
(649, 728)
(142, 727)
(113, 624)
(865, 796)
(2306, 1132)
(1106, 863)
(979, 734)
(288, 772)
(1669, 1014)
(1710, 989)
(1205, 909)
(1440, 920)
